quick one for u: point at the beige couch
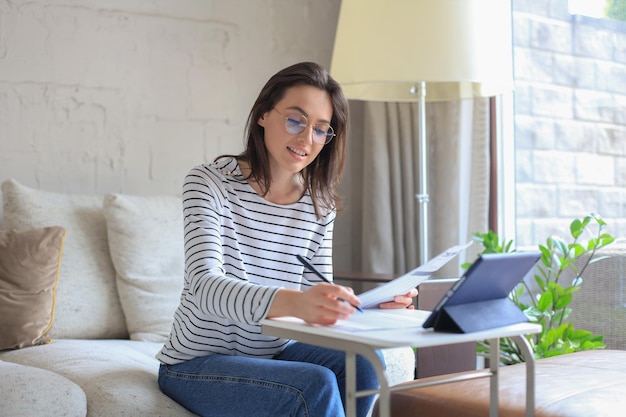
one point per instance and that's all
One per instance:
(105, 293)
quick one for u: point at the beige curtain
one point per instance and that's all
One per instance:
(385, 190)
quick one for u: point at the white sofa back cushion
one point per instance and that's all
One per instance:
(87, 305)
(146, 245)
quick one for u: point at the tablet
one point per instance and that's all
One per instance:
(479, 300)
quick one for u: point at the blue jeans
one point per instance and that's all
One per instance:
(301, 381)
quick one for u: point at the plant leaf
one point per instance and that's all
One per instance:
(545, 301)
(563, 301)
(576, 228)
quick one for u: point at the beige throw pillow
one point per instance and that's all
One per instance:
(146, 243)
(87, 303)
(30, 261)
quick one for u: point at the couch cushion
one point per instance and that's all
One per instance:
(87, 303)
(29, 271)
(29, 391)
(146, 244)
(119, 377)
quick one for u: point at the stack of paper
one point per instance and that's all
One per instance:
(405, 283)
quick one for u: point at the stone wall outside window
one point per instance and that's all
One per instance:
(570, 120)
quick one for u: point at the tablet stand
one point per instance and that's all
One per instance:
(479, 315)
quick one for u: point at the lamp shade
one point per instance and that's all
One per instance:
(459, 48)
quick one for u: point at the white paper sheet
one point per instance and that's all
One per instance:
(405, 283)
(375, 319)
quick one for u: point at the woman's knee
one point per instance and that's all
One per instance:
(320, 377)
(321, 392)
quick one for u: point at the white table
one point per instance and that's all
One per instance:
(406, 331)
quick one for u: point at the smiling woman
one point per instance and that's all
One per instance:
(247, 217)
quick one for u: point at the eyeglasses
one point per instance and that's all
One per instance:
(295, 123)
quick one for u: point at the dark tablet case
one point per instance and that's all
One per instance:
(480, 298)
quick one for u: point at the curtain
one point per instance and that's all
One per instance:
(385, 190)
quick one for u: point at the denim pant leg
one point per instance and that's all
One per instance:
(239, 386)
(335, 360)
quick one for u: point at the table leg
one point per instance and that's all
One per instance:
(384, 400)
(494, 364)
(529, 358)
(350, 405)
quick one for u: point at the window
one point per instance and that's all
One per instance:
(568, 118)
(591, 8)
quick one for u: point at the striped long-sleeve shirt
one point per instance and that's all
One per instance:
(239, 250)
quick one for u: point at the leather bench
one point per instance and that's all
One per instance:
(582, 384)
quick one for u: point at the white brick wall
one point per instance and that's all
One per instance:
(126, 95)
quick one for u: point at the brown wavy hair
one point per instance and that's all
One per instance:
(323, 175)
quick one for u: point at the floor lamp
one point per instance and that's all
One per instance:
(419, 51)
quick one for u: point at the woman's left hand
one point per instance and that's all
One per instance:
(401, 301)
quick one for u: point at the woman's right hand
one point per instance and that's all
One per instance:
(322, 304)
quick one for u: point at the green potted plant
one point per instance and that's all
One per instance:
(548, 301)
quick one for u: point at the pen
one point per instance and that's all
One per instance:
(317, 272)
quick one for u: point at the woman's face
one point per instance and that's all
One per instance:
(290, 153)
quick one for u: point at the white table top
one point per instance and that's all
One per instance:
(388, 329)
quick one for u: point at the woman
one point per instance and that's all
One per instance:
(246, 218)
